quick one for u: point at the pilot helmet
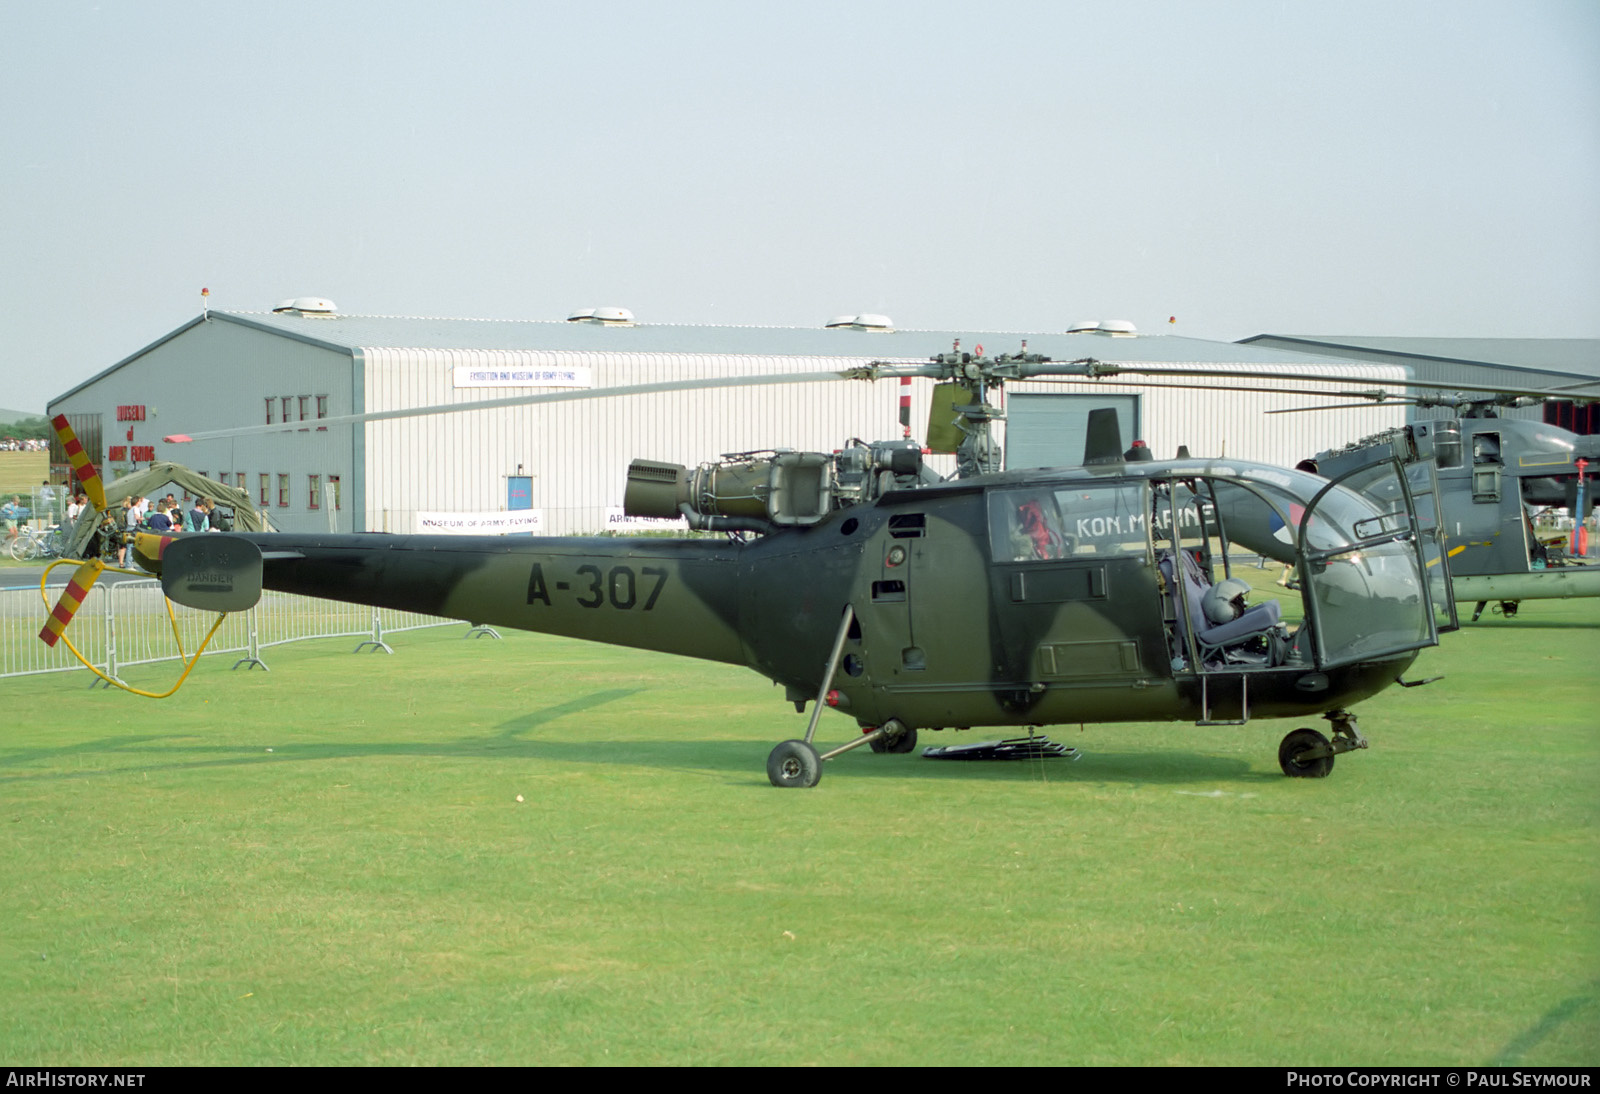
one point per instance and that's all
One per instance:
(1224, 601)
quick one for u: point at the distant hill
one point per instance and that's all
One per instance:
(9, 416)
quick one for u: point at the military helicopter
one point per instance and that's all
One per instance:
(863, 583)
(1493, 473)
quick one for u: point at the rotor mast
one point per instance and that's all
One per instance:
(979, 453)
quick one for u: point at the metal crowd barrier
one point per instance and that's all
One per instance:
(125, 623)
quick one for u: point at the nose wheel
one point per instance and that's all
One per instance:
(1307, 754)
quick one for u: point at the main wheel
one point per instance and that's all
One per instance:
(794, 763)
(906, 742)
(1297, 742)
(23, 548)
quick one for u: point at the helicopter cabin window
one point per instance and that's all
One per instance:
(1183, 517)
(1068, 522)
(1485, 449)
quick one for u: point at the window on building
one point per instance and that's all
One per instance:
(305, 408)
(239, 479)
(338, 498)
(283, 491)
(288, 408)
(266, 487)
(272, 408)
(322, 406)
(313, 496)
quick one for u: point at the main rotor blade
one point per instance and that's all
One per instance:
(522, 400)
(989, 371)
(1154, 370)
(1340, 406)
(1001, 369)
(1375, 397)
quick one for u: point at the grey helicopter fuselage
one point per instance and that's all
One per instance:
(1493, 474)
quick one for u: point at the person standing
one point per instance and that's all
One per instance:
(11, 512)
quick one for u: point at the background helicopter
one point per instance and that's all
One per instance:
(859, 582)
(1494, 474)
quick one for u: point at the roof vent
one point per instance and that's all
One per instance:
(308, 305)
(1084, 326)
(861, 322)
(605, 317)
(1118, 328)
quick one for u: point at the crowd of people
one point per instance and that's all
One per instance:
(23, 444)
(135, 514)
(166, 515)
(142, 514)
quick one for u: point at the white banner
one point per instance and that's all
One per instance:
(521, 376)
(481, 524)
(618, 521)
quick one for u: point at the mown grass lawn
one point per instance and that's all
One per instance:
(328, 864)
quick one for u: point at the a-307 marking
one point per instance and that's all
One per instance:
(618, 586)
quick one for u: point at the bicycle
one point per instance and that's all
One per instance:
(33, 543)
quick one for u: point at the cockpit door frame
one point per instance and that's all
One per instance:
(1388, 526)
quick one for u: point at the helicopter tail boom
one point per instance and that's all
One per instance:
(675, 596)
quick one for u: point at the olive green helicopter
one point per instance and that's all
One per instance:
(863, 582)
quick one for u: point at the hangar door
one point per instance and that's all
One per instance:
(1049, 430)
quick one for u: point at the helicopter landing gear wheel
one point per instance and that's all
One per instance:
(1305, 754)
(903, 741)
(794, 764)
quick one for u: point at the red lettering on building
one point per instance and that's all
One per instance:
(130, 413)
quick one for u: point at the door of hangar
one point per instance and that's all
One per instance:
(1049, 430)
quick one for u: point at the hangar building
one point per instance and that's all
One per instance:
(303, 362)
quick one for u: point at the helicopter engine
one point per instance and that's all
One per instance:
(761, 491)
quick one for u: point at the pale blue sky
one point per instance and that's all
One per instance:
(1421, 168)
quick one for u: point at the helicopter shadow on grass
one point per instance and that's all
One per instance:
(748, 764)
(1092, 766)
(202, 755)
(741, 762)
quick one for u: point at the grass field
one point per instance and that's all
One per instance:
(329, 865)
(20, 472)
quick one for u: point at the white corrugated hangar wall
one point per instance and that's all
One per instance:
(577, 452)
(222, 373)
